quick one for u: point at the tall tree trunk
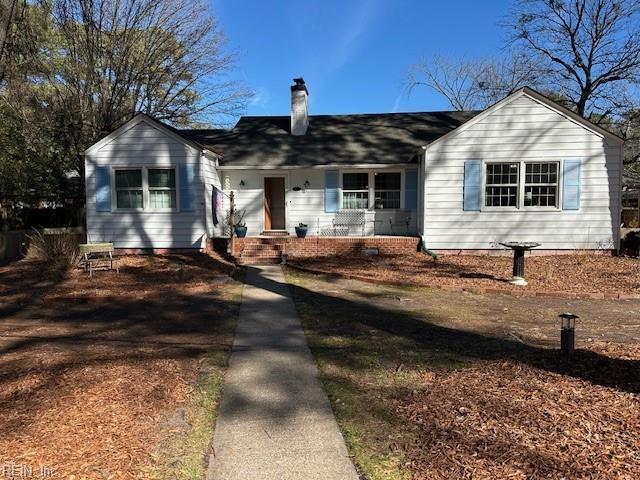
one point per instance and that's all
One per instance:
(7, 11)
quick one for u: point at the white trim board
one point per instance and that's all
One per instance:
(331, 166)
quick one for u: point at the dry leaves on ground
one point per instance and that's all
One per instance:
(85, 388)
(88, 417)
(577, 274)
(506, 419)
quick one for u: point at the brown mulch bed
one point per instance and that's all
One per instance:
(86, 388)
(507, 419)
(142, 275)
(93, 417)
(590, 275)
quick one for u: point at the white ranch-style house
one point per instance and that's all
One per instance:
(524, 169)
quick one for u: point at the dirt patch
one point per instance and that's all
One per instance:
(86, 388)
(575, 274)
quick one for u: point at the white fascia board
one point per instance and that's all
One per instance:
(317, 167)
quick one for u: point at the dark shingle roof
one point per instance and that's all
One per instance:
(330, 139)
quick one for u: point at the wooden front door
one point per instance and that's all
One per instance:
(274, 203)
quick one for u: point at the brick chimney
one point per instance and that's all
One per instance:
(299, 107)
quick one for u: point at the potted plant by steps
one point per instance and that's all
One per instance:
(240, 228)
(301, 230)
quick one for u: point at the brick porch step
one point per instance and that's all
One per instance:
(259, 253)
(258, 247)
(259, 260)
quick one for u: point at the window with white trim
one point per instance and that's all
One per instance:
(129, 191)
(162, 188)
(355, 191)
(501, 184)
(387, 190)
(148, 189)
(541, 184)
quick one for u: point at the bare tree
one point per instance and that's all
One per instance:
(79, 68)
(591, 48)
(98, 62)
(477, 83)
(167, 58)
(629, 128)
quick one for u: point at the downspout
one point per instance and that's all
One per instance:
(422, 155)
(422, 204)
(618, 245)
(425, 250)
(422, 170)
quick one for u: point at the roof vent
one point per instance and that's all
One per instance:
(299, 107)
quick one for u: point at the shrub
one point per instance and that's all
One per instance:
(56, 248)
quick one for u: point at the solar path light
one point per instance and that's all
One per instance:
(568, 332)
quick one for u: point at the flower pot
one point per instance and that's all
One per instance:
(241, 232)
(301, 232)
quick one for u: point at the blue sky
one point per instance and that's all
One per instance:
(353, 54)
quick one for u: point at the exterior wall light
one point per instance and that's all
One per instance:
(307, 184)
(242, 184)
(568, 332)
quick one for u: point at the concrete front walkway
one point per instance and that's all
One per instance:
(275, 421)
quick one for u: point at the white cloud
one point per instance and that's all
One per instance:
(342, 44)
(261, 98)
(396, 104)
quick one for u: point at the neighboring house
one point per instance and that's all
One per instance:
(524, 169)
(631, 200)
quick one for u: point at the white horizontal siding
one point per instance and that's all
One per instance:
(146, 146)
(522, 130)
(303, 206)
(142, 140)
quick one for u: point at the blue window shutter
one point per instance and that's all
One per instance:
(472, 185)
(411, 190)
(103, 189)
(331, 192)
(187, 180)
(571, 184)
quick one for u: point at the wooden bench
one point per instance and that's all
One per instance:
(97, 255)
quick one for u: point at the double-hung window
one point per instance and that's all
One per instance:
(145, 189)
(541, 184)
(129, 191)
(162, 188)
(501, 185)
(522, 184)
(355, 191)
(387, 190)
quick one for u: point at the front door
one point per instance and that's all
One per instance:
(274, 203)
